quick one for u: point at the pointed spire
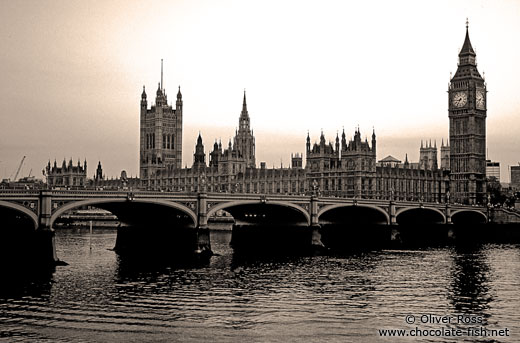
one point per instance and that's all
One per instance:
(421, 144)
(466, 47)
(442, 143)
(162, 84)
(244, 104)
(435, 144)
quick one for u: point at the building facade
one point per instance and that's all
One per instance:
(467, 116)
(493, 170)
(67, 176)
(101, 181)
(515, 177)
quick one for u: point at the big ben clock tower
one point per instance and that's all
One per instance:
(467, 114)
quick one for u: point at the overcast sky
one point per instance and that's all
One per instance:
(72, 74)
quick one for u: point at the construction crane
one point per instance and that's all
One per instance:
(18, 170)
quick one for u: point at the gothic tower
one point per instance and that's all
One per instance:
(467, 115)
(244, 140)
(445, 155)
(428, 156)
(160, 135)
(199, 157)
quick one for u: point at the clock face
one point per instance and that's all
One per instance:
(459, 99)
(480, 99)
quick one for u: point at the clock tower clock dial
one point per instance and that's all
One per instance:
(460, 99)
(479, 99)
(467, 114)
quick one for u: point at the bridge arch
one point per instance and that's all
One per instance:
(100, 201)
(468, 215)
(230, 204)
(425, 210)
(24, 210)
(373, 207)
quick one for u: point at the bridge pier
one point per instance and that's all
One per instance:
(316, 242)
(45, 242)
(447, 213)
(392, 213)
(203, 243)
(395, 233)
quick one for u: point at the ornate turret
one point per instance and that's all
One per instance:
(244, 141)
(374, 142)
(99, 172)
(343, 141)
(199, 157)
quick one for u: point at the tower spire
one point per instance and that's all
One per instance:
(162, 86)
(244, 103)
(466, 47)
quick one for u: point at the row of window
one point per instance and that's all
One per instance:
(167, 141)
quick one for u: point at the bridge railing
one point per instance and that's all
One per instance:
(217, 196)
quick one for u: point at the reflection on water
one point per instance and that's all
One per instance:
(470, 287)
(101, 297)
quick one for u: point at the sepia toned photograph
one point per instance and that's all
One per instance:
(260, 171)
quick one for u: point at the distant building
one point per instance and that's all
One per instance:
(428, 156)
(390, 161)
(68, 175)
(123, 182)
(515, 177)
(493, 170)
(445, 155)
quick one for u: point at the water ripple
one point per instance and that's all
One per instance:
(325, 298)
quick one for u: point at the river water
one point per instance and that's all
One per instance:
(100, 298)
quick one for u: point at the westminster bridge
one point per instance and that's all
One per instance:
(190, 211)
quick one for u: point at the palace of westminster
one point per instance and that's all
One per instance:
(345, 168)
